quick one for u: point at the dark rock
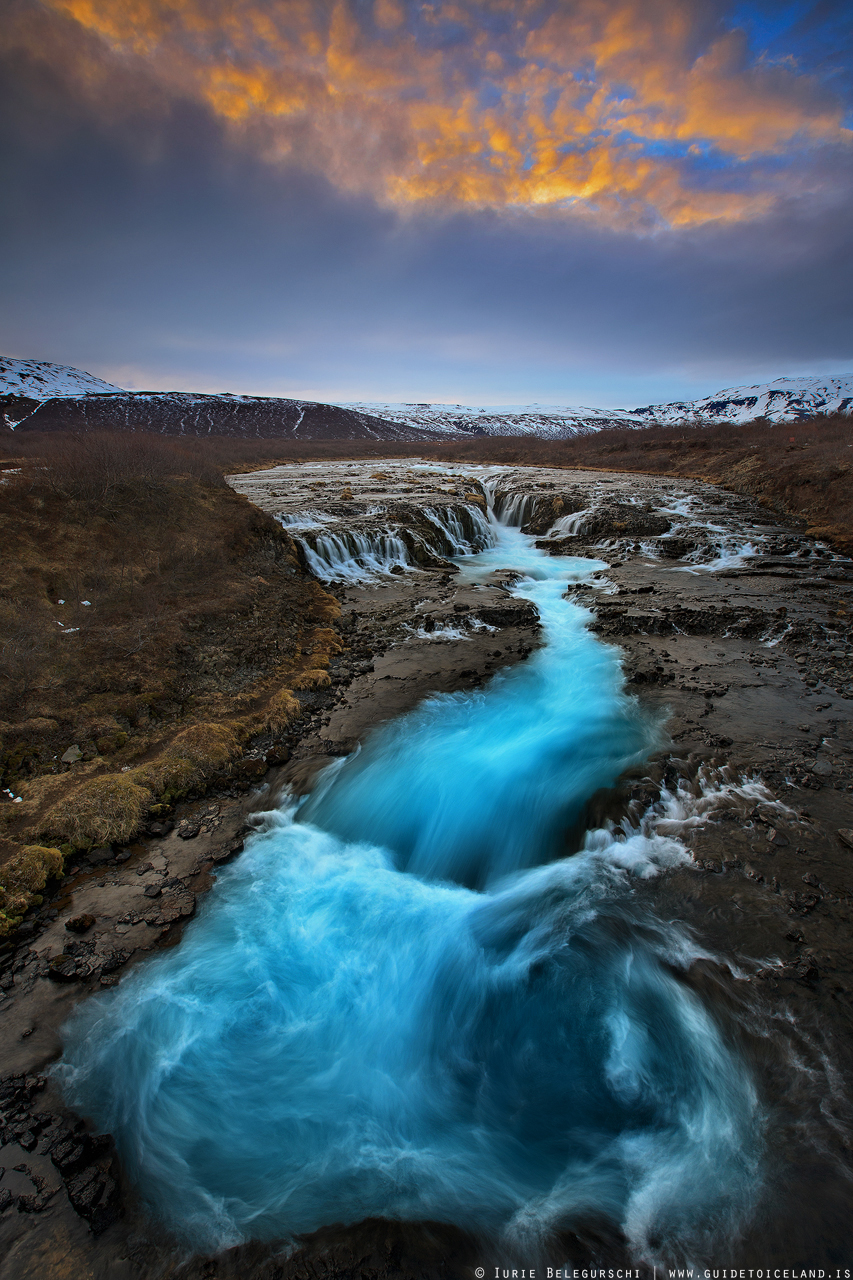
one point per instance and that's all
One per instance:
(777, 839)
(802, 903)
(84, 1190)
(69, 1154)
(31, 1203)
(113, 959)
(675, 548)
(253, 769)
(845, 835)
(514, 613)
(64, 968)
(188, 829)
(153, 891)
(79, 924)
(276, 756)
(103, 853)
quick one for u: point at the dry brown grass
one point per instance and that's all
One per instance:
(198, 615)
(104, 810)
(22, 878)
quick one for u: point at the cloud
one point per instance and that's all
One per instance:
(640, 114)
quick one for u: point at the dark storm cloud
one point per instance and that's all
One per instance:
(150, 245)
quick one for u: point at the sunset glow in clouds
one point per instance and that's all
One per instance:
(638, 111)
(613, 202)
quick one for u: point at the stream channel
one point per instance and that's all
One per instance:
(425, 993)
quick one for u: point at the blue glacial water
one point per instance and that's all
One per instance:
(403, 1002)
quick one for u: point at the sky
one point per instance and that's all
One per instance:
(580, 202)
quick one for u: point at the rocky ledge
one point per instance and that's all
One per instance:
(734, 628)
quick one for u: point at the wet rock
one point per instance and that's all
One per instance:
(103, 853)
(64, 968)
(70, 1152)
(111, 959)
(175, 904)
(253, 769)
(822, 768)
(845, 835)
(801, 904)
(79, 924)
(777, 839)
(515, 613)
(277, 756)
(230, 851)
(159, 829)
(675, 548)
(806, 971)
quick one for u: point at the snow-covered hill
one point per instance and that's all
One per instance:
(39, 380)
(547, 422)
(785, 400)
(50, 396)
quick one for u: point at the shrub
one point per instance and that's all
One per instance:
(105, 810)
(194, 755)
(21, 880)
(282, 710)
(314, 678)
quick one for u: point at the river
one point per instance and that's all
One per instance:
(426, 993)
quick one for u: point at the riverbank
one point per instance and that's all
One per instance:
(705, 635)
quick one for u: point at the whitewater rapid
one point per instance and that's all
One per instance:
(405, 1001)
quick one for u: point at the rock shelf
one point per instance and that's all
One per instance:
(733, 626)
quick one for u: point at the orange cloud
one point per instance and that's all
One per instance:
(601, 107)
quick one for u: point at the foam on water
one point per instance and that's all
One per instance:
(398, 1004)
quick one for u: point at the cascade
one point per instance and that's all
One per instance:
(424, 994)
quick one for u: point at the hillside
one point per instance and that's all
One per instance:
(785, 400)
(177, 413)
(38, 396)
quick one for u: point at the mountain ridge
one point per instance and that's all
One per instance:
(46, 396)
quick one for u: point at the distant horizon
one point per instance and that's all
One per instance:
(494, 406)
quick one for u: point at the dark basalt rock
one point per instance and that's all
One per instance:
(64, 968)
(518, 613)
(79, 924)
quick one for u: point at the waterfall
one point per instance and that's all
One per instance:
(465, 530)
(353, 556)
(405, 1001)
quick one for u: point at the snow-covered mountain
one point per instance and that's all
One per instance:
(785, 400)
(52, 396)
(38, 396)
(547, 422)
(39, 380)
